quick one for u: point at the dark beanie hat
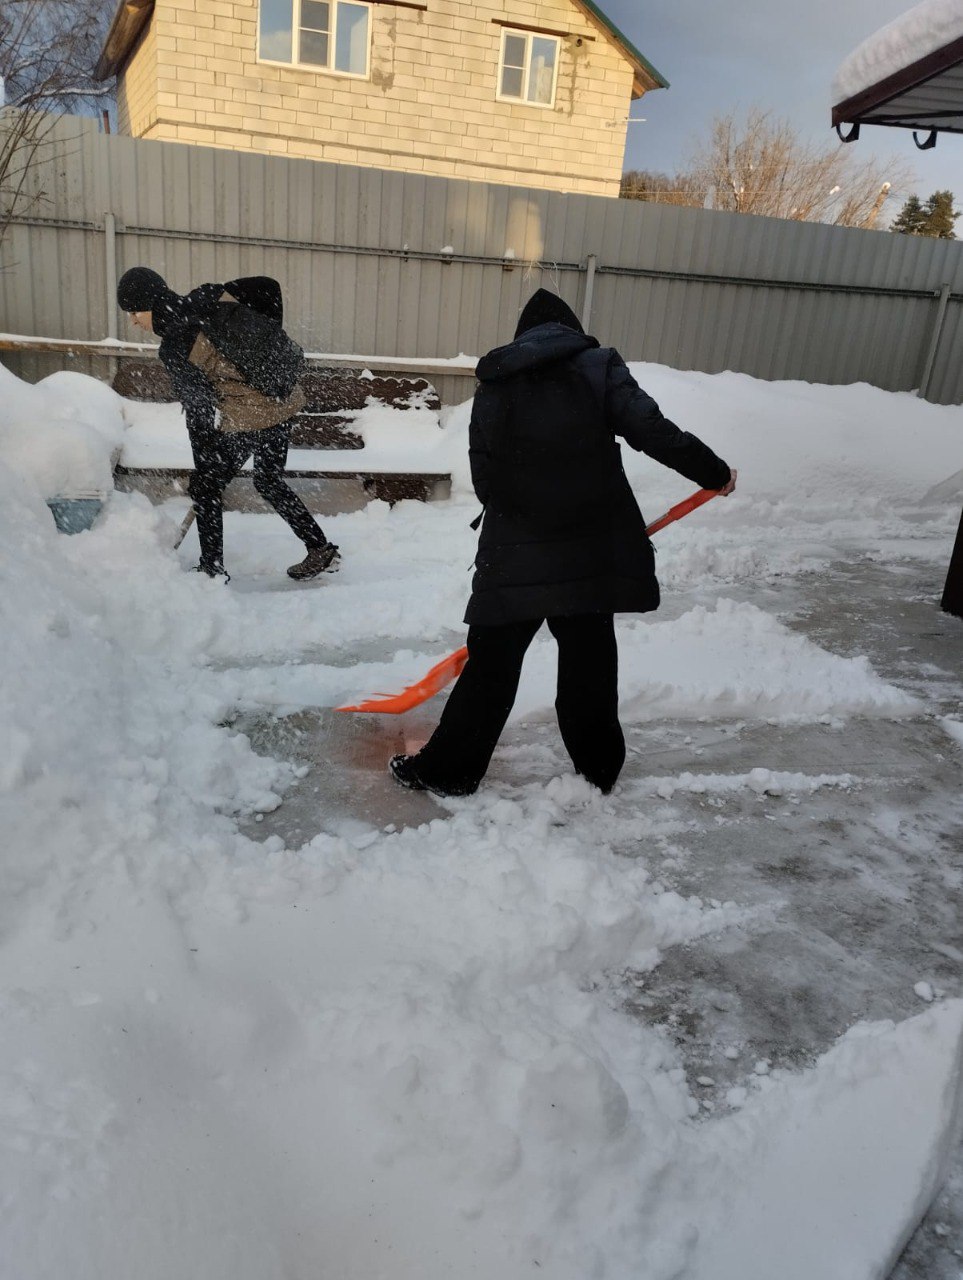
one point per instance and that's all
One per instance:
(140, 289)
(543, 308)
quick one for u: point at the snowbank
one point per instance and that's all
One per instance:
(923, 29)
(61, 433)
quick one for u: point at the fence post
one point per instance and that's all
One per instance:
(934, 341)
(110, 278)
(590, 264)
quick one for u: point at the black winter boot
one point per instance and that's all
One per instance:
(405, 772)
(213, 571)
(402, 769)
(323, 559)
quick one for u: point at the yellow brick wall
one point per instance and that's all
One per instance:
(429, 104)
(137, 87)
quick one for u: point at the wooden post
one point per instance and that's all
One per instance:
(110, 280)
(952, 601)
(934, 342)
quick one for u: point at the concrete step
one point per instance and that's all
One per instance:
(324, 491)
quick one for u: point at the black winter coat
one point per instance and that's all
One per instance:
(562, 533)
(179, 326)
(178, 323)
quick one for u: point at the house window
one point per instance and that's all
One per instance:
(528, 68)
(330, 34)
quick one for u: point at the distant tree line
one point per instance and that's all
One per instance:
(761, 165)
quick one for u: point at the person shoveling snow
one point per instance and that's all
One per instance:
(562, 541)
(236, 373)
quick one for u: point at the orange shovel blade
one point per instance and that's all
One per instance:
(441, 674)
(450, 668)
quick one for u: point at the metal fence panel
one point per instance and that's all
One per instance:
(360, 255)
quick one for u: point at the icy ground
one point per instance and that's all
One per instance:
(264, 1015)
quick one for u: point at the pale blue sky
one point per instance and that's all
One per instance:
(778, 54)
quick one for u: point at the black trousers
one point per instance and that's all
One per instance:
(457, 756)
(952, 600)
(218, 457)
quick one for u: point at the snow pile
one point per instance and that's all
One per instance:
(734, 660)
(111, 740)
(923, 29)
(62, 433)
(807, 450)
(831, 1191)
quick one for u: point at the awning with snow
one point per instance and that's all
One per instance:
(909, 75)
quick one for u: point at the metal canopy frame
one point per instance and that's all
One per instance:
(925, 96)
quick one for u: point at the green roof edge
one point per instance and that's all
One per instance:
(625, 42)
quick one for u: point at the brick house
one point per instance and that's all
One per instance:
(531, 92)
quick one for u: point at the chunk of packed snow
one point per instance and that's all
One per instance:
(954, 728)
(839, 1184)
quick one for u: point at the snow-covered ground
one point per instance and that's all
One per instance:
(402, 1049)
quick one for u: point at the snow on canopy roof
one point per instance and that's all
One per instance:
(923, 30)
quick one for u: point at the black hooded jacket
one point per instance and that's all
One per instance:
(562, 533)
(177, 321)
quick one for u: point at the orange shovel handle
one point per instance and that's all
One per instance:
(681, 509)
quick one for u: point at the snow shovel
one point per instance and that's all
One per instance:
(450, 668)
(185, 526)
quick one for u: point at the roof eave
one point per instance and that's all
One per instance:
(645, 77)
(130, 19)
(855, 108)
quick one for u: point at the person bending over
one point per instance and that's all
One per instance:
(235, 373)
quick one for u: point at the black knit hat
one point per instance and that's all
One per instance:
(543, 308)
(140, 289)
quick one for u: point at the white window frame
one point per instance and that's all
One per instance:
(332, 43)
(528, 37)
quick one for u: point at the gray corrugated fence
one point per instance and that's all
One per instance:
(398, 265)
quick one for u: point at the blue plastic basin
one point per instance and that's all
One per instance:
(74, 515)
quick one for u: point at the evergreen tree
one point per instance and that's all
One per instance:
(911, 218)
(940, 215)
(935, 218)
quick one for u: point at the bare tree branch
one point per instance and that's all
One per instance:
(762, 166)
(73, 92)
(48, 49)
